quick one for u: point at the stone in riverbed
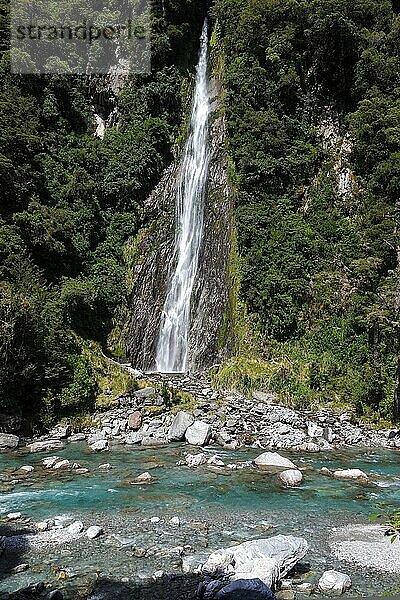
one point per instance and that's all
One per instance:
(143, 478)
(8, 441)
(27, 468)
(99, 446)
(135, 437)
(242, 589)
(314, 430)
(291, 477)
(135, 420)
(182, 421)
(198, 434)
(76, 527)
(268, 559)
(46, 446)
(94, 531)
(272, 461)
(196, 460)
(62, 464)
(351, 474)
(334, 582)
(14, 516)
(104, 467)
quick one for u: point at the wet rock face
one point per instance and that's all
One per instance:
(155, 259)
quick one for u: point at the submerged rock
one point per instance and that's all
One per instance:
(198, 434)
(334, 582)
(272, 461)
(267, 559)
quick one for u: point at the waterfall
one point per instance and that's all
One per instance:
(172, 347)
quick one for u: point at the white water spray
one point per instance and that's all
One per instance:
(172, 347)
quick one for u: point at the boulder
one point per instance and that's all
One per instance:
(60, 431)
(245, 589)
(135, 420)
(272, 461)
(182, 421)
(76, 527)
(268, 559)
(135, 437)
(334, 582)
(62, 464)
(7, 440)
(291, 477)
(144, 393)
(198, 434)
(144, 478)
(351, 474)
(196, 460)
(314, 430)
(46, 445)
(27, 468)
(94, 531)
(156, 440)
(99, 446)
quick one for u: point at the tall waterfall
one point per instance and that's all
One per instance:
(172, 347)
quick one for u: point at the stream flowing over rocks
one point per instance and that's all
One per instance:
(205, 497)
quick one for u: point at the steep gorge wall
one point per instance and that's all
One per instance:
(154, 261)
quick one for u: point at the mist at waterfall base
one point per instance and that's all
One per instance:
(172, 347)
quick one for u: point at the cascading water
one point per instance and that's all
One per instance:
(172, 347)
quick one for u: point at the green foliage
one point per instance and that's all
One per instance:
(318, 269)
(391, 517)
(71, 204)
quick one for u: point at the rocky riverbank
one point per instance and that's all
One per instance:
(147, 417)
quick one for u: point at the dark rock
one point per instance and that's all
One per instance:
(245, 589)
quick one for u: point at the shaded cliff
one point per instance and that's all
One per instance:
(154, 261)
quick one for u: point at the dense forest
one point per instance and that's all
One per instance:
(311, 92)
(320, 260)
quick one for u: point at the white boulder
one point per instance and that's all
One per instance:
(196, 460)
(76, 527)
(334, 582)
(182, 421)
(291, 477)
(272, 461)
(94, 531)
(350, 474)
(268, 559)
(198, 434)
(99, 446)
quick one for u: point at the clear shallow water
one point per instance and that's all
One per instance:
(236, 505)
(180, 488)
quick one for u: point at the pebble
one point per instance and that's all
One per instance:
(14, 516)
